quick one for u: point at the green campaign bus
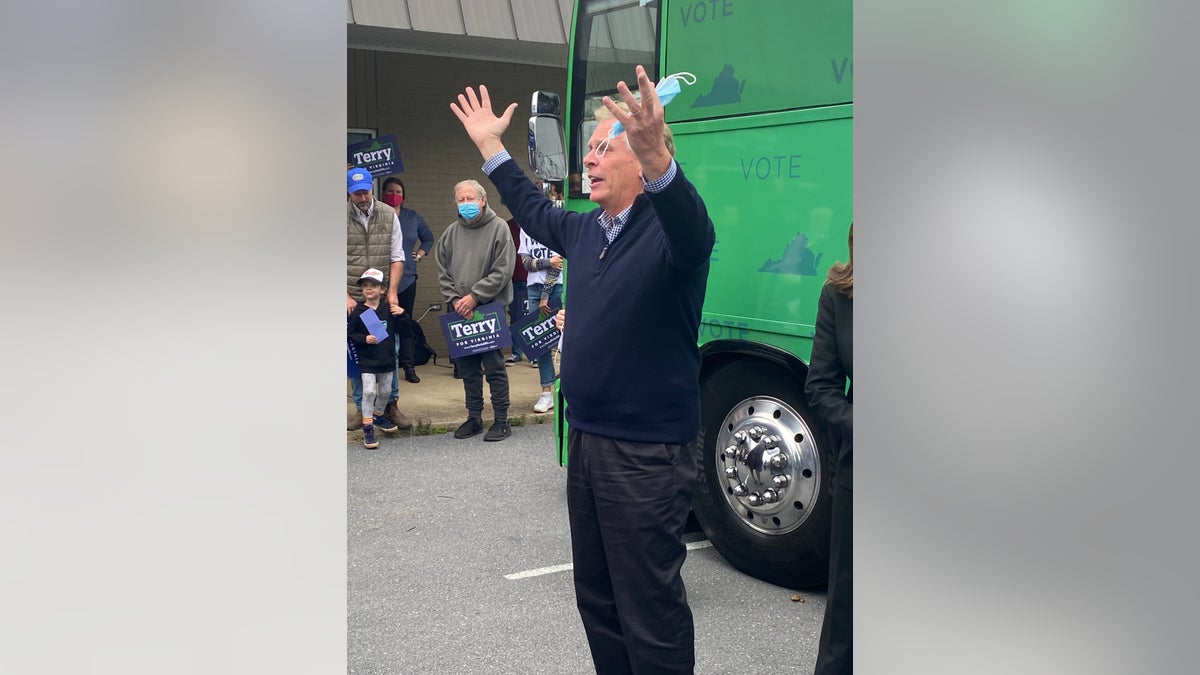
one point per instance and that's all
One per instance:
(765, 134)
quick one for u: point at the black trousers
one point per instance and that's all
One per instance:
(628, 505)
(473, 369)
(404, 332)
(835, 655)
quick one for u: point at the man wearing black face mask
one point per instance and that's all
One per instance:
(373, 239)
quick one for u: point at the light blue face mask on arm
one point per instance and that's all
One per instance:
(666, 89)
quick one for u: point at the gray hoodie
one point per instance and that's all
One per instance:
(477, 258)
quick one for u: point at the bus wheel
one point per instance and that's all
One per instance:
(763, 494)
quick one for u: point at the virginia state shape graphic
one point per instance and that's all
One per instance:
(797, 258)
(725, 89)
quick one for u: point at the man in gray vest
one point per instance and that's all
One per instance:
(373, 239)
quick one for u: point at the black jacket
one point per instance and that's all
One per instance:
(379, 357)
(829, 370)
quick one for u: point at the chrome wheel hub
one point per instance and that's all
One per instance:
(769, 462)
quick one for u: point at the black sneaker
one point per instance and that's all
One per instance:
(410, 374)
(467, 429)
(498, 431)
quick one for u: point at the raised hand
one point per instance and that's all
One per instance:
(481, 124)
(644, 124)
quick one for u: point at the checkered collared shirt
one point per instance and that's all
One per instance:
(612, 225)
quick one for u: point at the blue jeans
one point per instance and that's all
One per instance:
(516, 308)
(545, 362)
(356, 390)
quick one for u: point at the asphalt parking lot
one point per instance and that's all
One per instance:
(459, 562)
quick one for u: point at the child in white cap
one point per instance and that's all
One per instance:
(376, 357)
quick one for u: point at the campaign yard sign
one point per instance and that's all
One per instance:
(380, 156)
(536, 334)
(351, 355)
(351, 360)
(484, 331)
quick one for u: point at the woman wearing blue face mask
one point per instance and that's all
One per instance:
(475, 257)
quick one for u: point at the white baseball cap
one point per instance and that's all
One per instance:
(372, 274)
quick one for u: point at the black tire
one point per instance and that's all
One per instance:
(786, 542)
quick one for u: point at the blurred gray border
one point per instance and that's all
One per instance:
(1024, 179)
(1025, 175)
(173, 467)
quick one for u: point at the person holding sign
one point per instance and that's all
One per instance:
(370, 329)
(543, 286)
(475, 257)
(630, 367)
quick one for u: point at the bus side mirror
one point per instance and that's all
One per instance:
(547, 148)
(545, 104)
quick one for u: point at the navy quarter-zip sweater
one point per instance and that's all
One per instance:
(630, 364)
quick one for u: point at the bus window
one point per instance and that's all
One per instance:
(614, 36)
(762, 56)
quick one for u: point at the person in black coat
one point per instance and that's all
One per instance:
(829, 372)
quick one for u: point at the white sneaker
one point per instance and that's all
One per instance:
(544, 403)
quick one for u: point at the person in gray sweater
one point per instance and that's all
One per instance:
(475, 257)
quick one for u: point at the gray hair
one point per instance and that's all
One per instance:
(473, 183)
(601, 114)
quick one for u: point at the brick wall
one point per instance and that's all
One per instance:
(413, 95)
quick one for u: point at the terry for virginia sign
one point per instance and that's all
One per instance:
(484, 331)
(537, 333)
(380, 156)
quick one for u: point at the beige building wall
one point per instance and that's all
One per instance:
(409, 95)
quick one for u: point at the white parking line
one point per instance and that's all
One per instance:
(691, 546)
(539, 572)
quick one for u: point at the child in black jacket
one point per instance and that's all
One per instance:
(376, 357)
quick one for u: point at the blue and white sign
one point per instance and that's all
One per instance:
(485, 331)
(380, 156)
(536, 333)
